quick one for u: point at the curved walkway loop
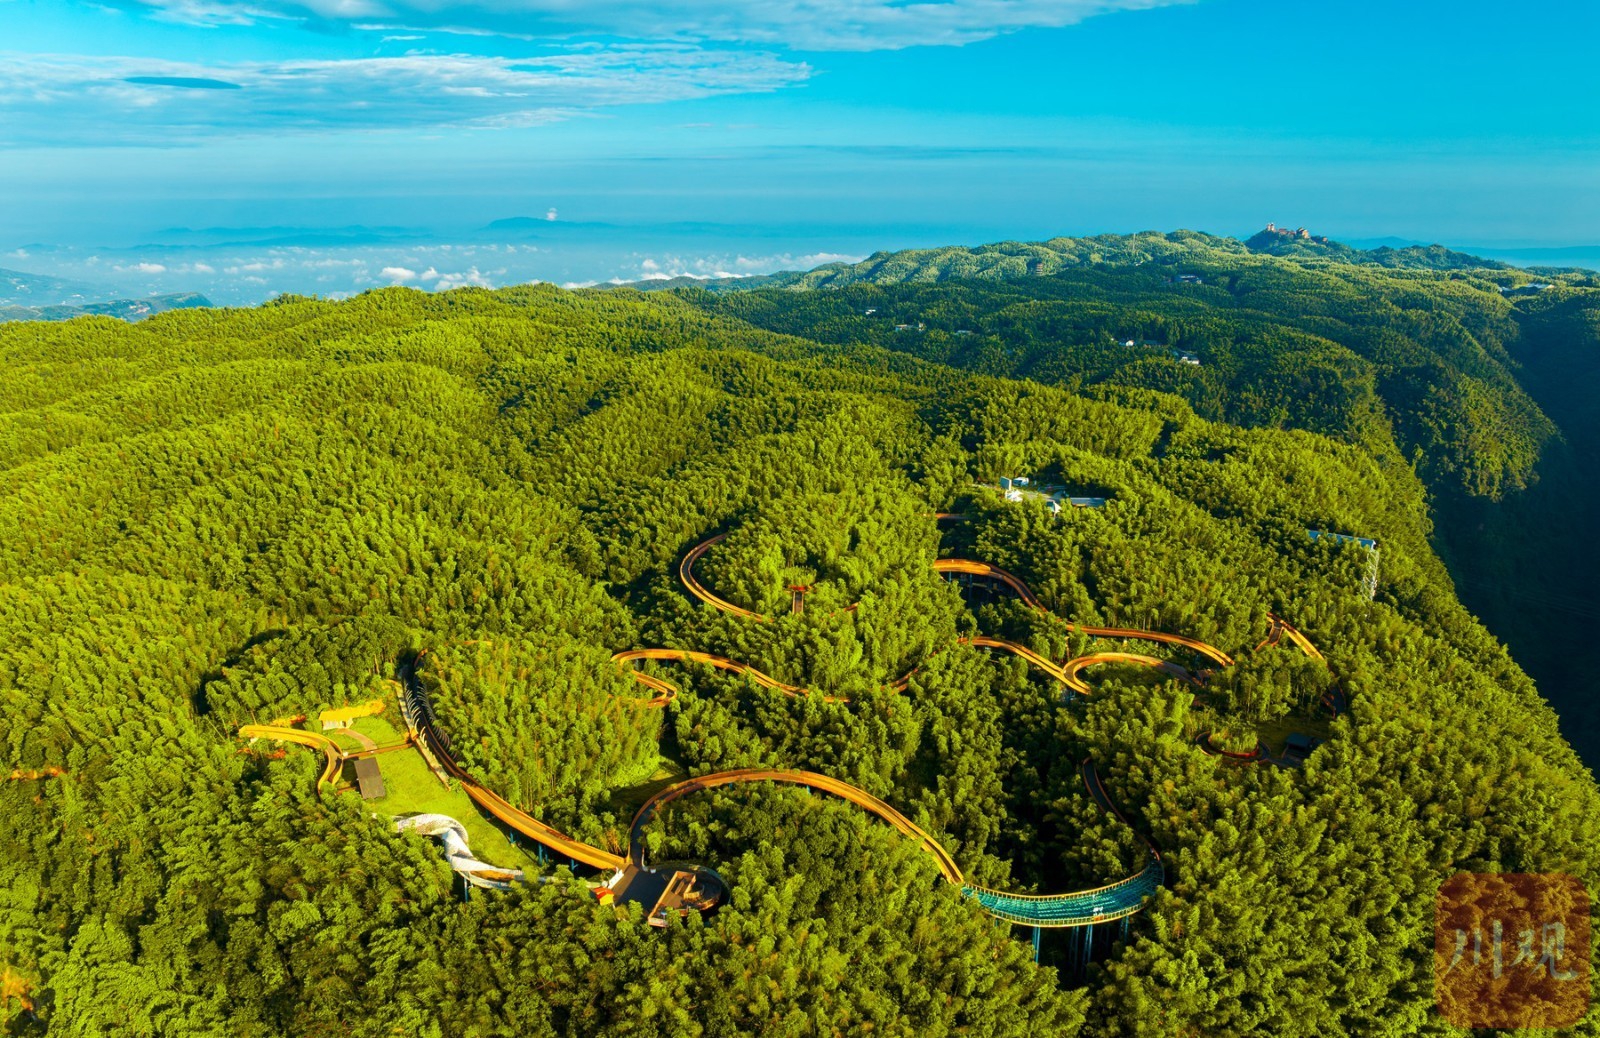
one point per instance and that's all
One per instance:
(1094, 659)
(1111, 902)
(666, 691)
(797, 592)
(811, 780)
(419, 716)
(969, 567)
(1082, 908)
(669, 691)
(1075, 908)
(1032, 658)
(330, 749)
(698, 590)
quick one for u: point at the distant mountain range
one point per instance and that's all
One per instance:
(305, 237)
(126, 309)
(1301, 243)
(726, 284)
(1536, 256)
(18, 288)
(1003, 261)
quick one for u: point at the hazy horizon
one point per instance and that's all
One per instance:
(243, 266)
(740, 137)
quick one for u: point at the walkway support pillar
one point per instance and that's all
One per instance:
(1036, 932)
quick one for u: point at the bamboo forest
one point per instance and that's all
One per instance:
(1055, 639)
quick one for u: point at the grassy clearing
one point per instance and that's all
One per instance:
(413, 789)
(379, 730)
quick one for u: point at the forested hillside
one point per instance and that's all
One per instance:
(216, 517)
(1412, 365)
(1477, 377)
(1530, 563)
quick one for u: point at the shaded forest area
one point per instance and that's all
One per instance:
(1529, 564)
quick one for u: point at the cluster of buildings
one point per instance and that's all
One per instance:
(1182, 356)
(1299, 233)
(1016, 488)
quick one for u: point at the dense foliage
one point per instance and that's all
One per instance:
(216, 516)
(1477, 377)
(1413, 366)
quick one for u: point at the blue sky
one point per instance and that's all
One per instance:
(802, 128)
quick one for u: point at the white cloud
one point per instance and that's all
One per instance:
(255, 266)
(142, 268)
(799, 24)
(550, 214)
(70, 99)
(471, 277)
(398, 274)
(736, 266)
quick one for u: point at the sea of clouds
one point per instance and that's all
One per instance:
(246, 274)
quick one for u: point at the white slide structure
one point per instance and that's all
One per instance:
(453, 835)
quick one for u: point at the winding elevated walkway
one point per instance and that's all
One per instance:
(1075, 908)
(809, 779)
(666, 691)
(1084, 907)
(330, 749)
(970, 567)
(437, 747)
(709, 659)
(1080, 908)
(1032, 658)
(698, 590)
(1095, 659)
(1281, 628)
